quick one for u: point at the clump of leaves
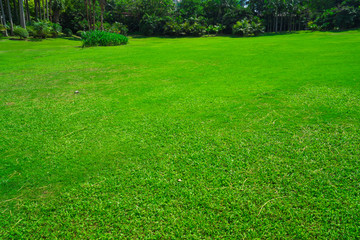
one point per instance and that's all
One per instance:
(41, 29)
(67, 32)
(21, 32)
(102, 38)
(248, 27)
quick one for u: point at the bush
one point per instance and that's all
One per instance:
(313, 26)
(215, 29)
(344, 16)
(55, 29)
(172, 28)
(191, 27)
(248, 28)
(119, 28)
(41, 29)
(68, 32)
(21, 32)
(102, 38)
(152, 25)
(79, 33)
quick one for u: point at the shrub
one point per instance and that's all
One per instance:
(119, 28)
(248, 28)
(215, 29)
(55, 29)
(67, 32)
(41, 29)
(151, 25)
(2, 28)
(79, 33)
(191, 27)
(102, 38)
(21, 32)
(313, 26)
(172, 28)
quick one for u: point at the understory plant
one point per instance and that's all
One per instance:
(21, 32)
(102, 38)
(246, 27)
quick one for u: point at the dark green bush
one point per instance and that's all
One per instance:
(67, 32)
(102, 38)
(21, 32)
(55, 29)
(119, 28)
(79, 33)
(41, 29)
(151, 25)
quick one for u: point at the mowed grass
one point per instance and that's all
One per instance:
(264, 134)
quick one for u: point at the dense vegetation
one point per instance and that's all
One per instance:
(181, 138)
(186, 17)
(102, 38)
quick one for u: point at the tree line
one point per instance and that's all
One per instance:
(157, 17)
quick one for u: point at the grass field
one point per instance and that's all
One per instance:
(264, 134)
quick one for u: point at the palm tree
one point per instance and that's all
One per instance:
(10, 18)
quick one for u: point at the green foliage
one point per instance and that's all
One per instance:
(119, 28)
(2, 27)
(313, 26)
(344, 16)
(79, 33)
(151, 25)
(21, 32)
(67, 32)
(41, 29)
(215, 29)
(191, 27)
(102, 38)
(248, 28)
(55, 29)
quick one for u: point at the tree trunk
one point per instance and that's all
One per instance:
(290, 23)
(102, 5)
(39, 6)
(27, 11)
(3, 19)
(36, 10)
(93, 3)
(10, 18)
(47, 10)
(16, 12)
(87, 13)
(43, 5)
(22, 15)
(281, 23)
(276, 22)
(50, 15)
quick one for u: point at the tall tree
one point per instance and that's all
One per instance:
(3, 19)
(43, 5)
(102, 7)
(16, 12)
(10, 17)
(22, 15)
(93, 13)
(27, 10)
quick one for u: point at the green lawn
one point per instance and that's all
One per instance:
(264, 134)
